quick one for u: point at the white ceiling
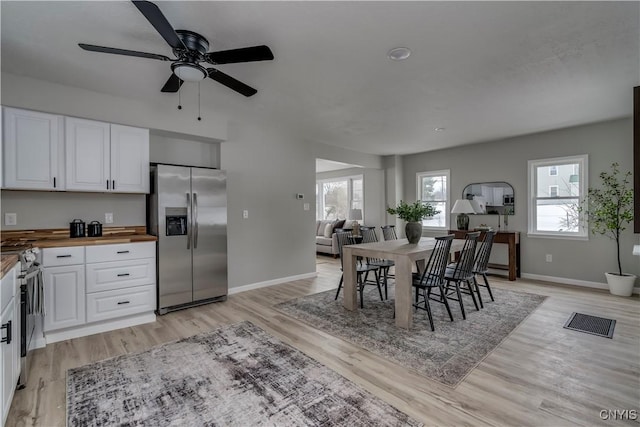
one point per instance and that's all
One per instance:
(481, 70)
(323, 165)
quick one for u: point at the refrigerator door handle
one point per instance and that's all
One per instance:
(195, 220)
(188, 221)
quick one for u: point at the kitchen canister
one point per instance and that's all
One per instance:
(94, 229)
(76, 228)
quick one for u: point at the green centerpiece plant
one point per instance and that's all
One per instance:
(414, 214)
(609, 209)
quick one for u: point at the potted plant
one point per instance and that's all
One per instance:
(609, 209)
(414, 214)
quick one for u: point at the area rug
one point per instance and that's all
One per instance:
(237, 375)
(446, 355)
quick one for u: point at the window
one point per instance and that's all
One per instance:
(433, 187)
(555, 197)
(336, 197)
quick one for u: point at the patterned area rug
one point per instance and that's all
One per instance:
(446, 355)
(237, 375)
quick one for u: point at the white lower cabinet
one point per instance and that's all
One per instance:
(112, 284)
(64, 297)
(10, 339)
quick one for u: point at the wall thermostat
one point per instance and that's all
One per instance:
(299, 196)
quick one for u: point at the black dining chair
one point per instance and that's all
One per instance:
(433, 277)
(389, 232)
(369, 236)
(362, 268)
(482, 264)
(462, 271)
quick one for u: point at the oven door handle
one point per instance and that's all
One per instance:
(7, 326)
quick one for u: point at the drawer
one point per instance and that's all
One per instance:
(53, 257)
(120, 252)
(8, 286)
(106, 276)
(123, 302)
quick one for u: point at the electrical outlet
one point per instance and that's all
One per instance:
(10, 219)
(549, 258)
(108, 218)
(306, 206)
(245, 214)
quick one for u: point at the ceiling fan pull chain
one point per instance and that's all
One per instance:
(199, 115)
(179, 98)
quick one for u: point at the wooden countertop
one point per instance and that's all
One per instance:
(57, 238)
(8, 261)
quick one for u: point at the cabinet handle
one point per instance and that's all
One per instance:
(54, 182)
(7, 326)
(63, 256)
(123, 274)
(113, 184)
(123, 252)
(123, 302)
(107, 184)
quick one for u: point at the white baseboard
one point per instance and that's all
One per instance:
(573, 282)
(267, 283)
(96, 328)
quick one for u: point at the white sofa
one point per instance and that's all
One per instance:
(324, 244)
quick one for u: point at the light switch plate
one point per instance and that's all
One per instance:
(245, 214)
(306, 206)
(108, 218)
(10, 219)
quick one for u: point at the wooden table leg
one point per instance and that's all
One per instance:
(512, 258)
(350, 280)
(404, 312)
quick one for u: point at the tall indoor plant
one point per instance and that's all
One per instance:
(414, 214)
(609, 209)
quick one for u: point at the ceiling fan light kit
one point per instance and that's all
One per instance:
(190, 49)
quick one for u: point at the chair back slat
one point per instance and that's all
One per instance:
(344, 237)
(464, 266)
(368, 234)
(435, 268)
(389, 232)
(484, 252)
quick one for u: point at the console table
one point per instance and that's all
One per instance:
(511, 238)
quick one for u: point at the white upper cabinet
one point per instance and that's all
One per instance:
(32, 150)
(87, 144)
(106, 157)
(129, 159)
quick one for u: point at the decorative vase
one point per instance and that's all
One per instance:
(621, 285)
(413, 230)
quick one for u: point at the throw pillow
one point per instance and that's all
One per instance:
(322, 226)
(339, 224)
(317, 226)
(328, 230)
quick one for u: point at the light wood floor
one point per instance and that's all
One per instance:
(540, 375)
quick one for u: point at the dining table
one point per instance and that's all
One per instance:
(404, 255)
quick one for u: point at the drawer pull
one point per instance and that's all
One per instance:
(7, 326)
(123, 302)
(63, 256)
(123, 274)
(123, 252)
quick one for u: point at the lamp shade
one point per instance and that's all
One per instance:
(462, 206)
(355, 214)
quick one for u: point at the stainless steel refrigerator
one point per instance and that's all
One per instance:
(187, 211)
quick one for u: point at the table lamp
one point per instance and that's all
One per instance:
(462, 207)
(355, 215)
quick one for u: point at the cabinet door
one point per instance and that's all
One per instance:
(32, 144)
(87, 153)
(129, 159)
(7, 349)
(64, 296)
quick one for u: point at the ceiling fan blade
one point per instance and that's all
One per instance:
(245, 54)
(160, 23)
(230, 82)
(173, 84)
(126, 52)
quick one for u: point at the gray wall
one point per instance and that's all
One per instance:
(182, 151)
(506, 160)
(266, 168)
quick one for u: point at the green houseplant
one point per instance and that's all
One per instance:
(609, 209)
(414, 214)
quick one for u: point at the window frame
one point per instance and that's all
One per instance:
(583, 227)
(447, 201)
(349, 179)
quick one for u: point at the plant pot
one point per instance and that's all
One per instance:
(413, 230)
(621, 285)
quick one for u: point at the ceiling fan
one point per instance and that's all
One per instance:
(190, 49)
